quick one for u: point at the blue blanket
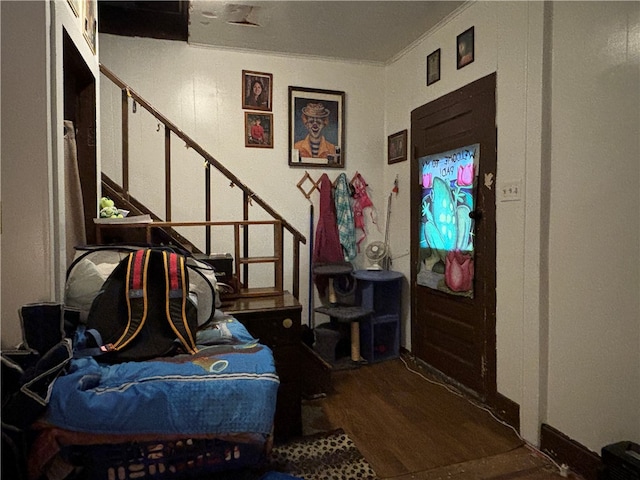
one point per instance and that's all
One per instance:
(229, 387)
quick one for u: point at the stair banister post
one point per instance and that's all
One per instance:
(236, 249)
(207, 207)
(167, 173)
(125, 142)
(278, 252)
(245, 234)
(296, 266)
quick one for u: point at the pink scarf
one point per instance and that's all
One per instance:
(361, 201)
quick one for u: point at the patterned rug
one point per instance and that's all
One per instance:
(324, 456)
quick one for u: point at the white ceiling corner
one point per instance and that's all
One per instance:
(361, 30)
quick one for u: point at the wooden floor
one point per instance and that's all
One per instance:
(409, 428)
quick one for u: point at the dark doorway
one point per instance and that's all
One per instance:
(453, 323)
(80, 108)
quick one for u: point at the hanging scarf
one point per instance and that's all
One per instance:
(361, 201)
(344, 218)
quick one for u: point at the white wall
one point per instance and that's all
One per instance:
(33, 220)
(26, 216)
(567, 254)
(199, 89)
(507, 40)
(594, 242)
(568, 318)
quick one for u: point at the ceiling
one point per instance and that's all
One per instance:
(366, 31)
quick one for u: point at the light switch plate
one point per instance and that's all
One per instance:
(510, 191)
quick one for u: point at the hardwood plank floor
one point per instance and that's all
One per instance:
(409, 428)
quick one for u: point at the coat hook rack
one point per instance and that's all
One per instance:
(307, 178)
(315, 184)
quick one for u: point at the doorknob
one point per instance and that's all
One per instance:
(475, 214)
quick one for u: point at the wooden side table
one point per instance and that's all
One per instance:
(276, 322)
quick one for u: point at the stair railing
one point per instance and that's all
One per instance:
(249, 197)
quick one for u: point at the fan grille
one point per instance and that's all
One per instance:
(376, 252)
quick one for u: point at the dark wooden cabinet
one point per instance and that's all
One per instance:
(275, 321)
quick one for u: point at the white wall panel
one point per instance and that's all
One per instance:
(594, 246)
(566, 358)
(199, 89)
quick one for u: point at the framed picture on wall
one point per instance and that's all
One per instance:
(397, 147)
(465, 48)
(89, 24)
(258, 130)
(316, 128)
(433, 67)
(257, 89)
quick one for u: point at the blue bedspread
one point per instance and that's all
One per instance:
(229, 387)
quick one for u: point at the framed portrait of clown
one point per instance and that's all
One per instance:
(316, 128)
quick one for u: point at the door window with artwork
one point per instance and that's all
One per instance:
(446, 230)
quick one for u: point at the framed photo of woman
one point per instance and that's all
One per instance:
(257, 89)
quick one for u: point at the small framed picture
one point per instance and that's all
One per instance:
(316, 128)
(258, 130)
(257, 89)
(90, 24)
(433, 67)
(397, 147)
(465, 48)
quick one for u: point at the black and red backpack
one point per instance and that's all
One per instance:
(143, 310)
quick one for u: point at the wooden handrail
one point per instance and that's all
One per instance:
(224, 223)
(249, 196)
(202, 152)
(241, 259)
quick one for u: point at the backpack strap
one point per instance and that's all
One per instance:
(137, 300)
(177, 290)
(87, 342)
(136, 295)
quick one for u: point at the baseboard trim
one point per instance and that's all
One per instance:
(553, 442)
(502, 407)
(506, 409)
(565, 450)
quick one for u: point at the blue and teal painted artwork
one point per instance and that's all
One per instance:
(446, 228)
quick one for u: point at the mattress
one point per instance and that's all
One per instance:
(225, 391)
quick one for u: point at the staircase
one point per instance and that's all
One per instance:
(162, 230)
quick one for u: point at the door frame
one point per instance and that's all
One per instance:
(444, 107)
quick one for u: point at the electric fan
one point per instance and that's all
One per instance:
(376, 252)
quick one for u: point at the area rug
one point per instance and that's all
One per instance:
(314, 420)
(325, 456)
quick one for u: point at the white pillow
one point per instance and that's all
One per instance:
(207, 301)
(83, 285)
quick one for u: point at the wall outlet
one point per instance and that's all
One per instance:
(510, 191)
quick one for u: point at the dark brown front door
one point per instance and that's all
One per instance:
(453, 323)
